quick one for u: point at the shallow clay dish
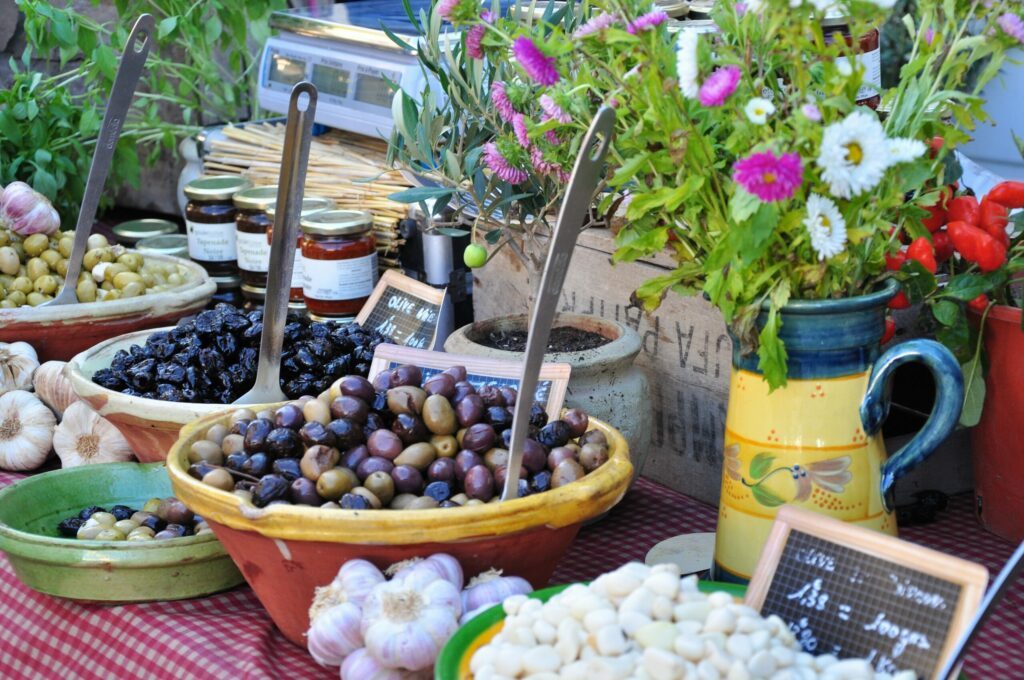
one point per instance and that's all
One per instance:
(104, 571)
(286, 551)
(151, 426)
(64, 331)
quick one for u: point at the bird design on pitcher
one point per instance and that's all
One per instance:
(773, 486)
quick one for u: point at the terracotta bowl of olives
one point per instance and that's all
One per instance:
(395, 478)
(59, 333)
(35, 512)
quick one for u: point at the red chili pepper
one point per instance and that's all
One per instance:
(992, 255)
(979, 304)
(899, 301)
(890, 329)
(937, 216)
(895, 261)
(965, 239)
(1010, 194)
(964, 209)
(943, 245)
(922, 251)
(935, 145)
(994, 216)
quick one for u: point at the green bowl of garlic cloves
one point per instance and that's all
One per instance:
(108, 572)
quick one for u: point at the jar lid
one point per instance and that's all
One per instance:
(698, 9)
(254, 292)
(310, 206)
(331, 319)
(255, 198)
(674, 8)
(131, 231)
(226, 282)
(338, 223)
(216, 188)
(167, 244)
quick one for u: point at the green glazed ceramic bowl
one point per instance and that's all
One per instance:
(105, 571)
(453, 663)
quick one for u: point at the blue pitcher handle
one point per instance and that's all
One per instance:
(949, 399)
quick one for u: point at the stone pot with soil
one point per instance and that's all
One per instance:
(604, 381)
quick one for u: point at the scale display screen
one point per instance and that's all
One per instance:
(331, 80)
(286, 70)
(373, 90)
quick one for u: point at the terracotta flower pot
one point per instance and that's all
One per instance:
(604, 381)
(996, 440)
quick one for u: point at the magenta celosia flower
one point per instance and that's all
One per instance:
(596, 24)
(929, 35)
(502, 104)
(500, 165)
(553, 110)
(719, 85)
(537, 65)
(811, 112)
(646, 22)
(1012, 25)
(545, 167)
(741, 9)
(475, 35)
(769, 177)
(446, 7)
(519, 126)
(552, 138)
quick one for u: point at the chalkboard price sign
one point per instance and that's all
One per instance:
(551, 388)
(404, 310)
(852, 592)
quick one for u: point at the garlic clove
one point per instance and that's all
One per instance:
(25, 211)
(18, 363)
(85, 437)
(26, 431)
(53, 387)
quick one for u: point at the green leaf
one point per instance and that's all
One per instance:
(946, 312)
(772, 352)
(974, 392)
(417, 194)
(493, 236)
(761, 464)
(742, 206)
(917, 281)
(629, 168)
(166, 27)
(967, 287)
(766, 497)
(957, 339)
(44, 183)
(42, 157)
(212, 29)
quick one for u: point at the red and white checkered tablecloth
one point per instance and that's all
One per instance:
(230, 636)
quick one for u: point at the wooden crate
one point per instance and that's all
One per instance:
(686, 353)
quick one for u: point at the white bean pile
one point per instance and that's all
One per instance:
(648, 623)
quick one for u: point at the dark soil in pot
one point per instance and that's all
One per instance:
(562, 339)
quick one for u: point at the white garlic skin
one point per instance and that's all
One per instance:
(18, 364)
(26, 431)
(84, 437)
(25, 211)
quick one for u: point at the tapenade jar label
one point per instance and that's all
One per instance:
(211, 242)
(253, 251)
(298, 272)
(339, 279)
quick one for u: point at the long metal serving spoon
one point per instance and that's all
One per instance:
(297, 135)
(585, 176)
(128, 72)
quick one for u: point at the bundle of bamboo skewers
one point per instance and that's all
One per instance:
(348, 168)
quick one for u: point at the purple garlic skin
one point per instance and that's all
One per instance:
(25, 211)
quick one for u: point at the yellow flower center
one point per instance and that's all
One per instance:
(768, 178)
(854, 153)
(826, 225)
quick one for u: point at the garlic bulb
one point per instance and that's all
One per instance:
(335, 634)
(440, 564)
(18, 361)
(354, 581)
(407, 621)
(491, 588)
(25, 211)
(85, 437)
(53, 387)
(26, 431)
(360, 665)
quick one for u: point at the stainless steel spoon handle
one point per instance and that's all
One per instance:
(578, 198)
(132, 62)
(297, 137)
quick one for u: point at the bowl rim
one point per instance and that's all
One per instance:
(199, 285)
(556, 508)
(88, 553)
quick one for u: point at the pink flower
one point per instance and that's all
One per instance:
(553, 110)
(545, 167)
(811, 112)
(502, 104)
(519, 126)
(741, 9)
(646, 22)
(552, 138)
(929, 35)
(769, 177)
(537, 65)
(719, 85)
(500, 166)
(446, 7)
(475, 35)
(596, 24)
(1012, 25)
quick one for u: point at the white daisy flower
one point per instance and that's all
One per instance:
(686, 63)
(758, 109)
(826, 226)
(902, 150)
(854, 154)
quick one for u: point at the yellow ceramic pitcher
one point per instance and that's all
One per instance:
(816, 442)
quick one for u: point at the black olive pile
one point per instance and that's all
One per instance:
(159, 519)
(400, 442)
(212, 358)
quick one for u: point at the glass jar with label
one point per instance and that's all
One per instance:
(210, 222)
(311, 205)
(867, 51)
(339, 257)
(251, 225)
